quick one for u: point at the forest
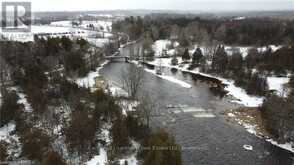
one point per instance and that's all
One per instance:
(62, 123)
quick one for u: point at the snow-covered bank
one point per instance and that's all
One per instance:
(277, 84)
(23, 100)
(100, 159)
(250, 119)
(171, 79)
(89, 80)
(6, 129)
(286, 146)
(240, 95)
(12, 139)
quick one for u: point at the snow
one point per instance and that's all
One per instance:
(105, 25)
(240, 94)
(160, 45)
(128, 106)
(247, 147)
(231, 115)
(252, 130)
(240, 18)
(89, 80)
(132, 160)
(204, 115)
(61, 23)
(170, 78)
(23, 100)
(101, 15)
(286, 146)
(100, 159)
(277, 84)
(6, 129)
(117, 91)
(99, 42)
(42, 29)
(245, 49)
(14, 145)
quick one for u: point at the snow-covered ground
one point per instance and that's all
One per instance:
(23, 100)
(14, 145)
(99, 42)
(128, 106)
(63, 28)
(278, 84)
(6, 129)
(161, 45)
(254, 128)
(244, 50)
(286, 146)
(42, 29)
(100, 159)
(89, 80)
(101, 25)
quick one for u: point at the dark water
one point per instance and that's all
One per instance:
(205, 141)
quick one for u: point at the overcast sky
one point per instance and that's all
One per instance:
(199, 5)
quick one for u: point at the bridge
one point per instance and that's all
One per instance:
(117, 56)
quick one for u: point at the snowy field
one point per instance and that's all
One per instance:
(161, 45)
(45, 29)
(64, 28)
(101, 25)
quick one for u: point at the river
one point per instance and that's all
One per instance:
(203, 132)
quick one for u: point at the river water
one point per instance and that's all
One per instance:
(198, 124)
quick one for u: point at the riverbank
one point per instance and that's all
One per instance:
(237, 94)
(251, 120)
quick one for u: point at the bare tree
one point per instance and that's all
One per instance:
(132, 79)
(146, 108)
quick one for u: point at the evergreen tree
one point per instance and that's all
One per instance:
(197, 56)
(236, 62)
(186, 55)
(220, 60)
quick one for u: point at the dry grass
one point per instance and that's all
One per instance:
(248, 117)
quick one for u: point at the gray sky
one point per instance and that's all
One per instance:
(200, 5)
